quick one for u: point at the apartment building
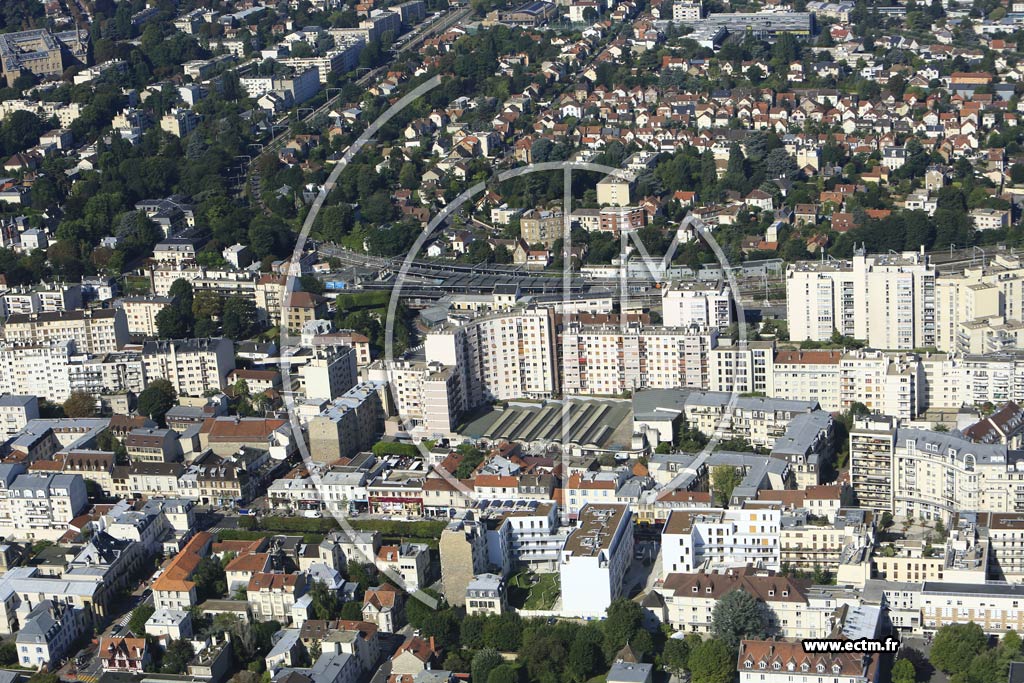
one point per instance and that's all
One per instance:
(93, 331)
(713, 540)
(1003, 532)
(808, 544)
(791, 609)
(705, 304)
(193, 366)
(776, 661)
(995, 607)
(329, 372)
(499, 356)
(427, 397)
(614, 190)
(40, 506)
(891, 384)
(872, 443)
(760, 420)
(347, 425)
(408, 561)
(595, 559)
(15, 413)
(463, 552)
(486, 594)
(538, 226)
(888, 300)
(41, 53)
(742, 368)
(807, 376)
(49, 631)
(174, 588)
(621, 219)
(609, 360)
(272, 596)
(109, 373)
(937, 474)
(141, 311)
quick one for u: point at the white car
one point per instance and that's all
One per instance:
(312, 514)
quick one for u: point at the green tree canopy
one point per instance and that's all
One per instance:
(737, 616)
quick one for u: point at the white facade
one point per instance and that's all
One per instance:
(595, 559)
(720, 539)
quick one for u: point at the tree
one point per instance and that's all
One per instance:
(484, 662)
(8, 653)
(156, 399)
(239, 321)
(625, 619)
(324, 601)
(177, 656)
(779, 164)
(724, 478)
(712, 662)
(210, 579)
(675, 655)
(502, 674)
(80, 404)
(956, 645)
(737, 616)
(174, 322)
(140, 615)
(181, 291)
(903, 672)
(585, 656)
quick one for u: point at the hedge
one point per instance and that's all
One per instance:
(395, 448)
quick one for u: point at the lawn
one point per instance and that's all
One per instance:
(527, 590)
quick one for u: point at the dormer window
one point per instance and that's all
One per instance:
(804, 667)
(821, 668)
(695, 589)
(748, 664)
(776, 666)
(771, 592)
(708, 589)
(764, 665)
(836, 668)
(785, 593)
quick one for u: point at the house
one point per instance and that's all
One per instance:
(124, 655)
(384, 607)
(485, 594)
(414, 655)
(772, 661)
(48, 632)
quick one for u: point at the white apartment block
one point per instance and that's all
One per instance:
(140, 313)
(193, 366)
(108, 373)
(408, 561)
(93, 331)
(37, 369)
(705, 304)
(930, 475)
(609, 360)
(791, 609)
(978, 294)
(15, 413)
(887, 300)
(40, 506)
(713, 540)
(426, 396)
(595, 559)
(872, 442)
(686, 12)
(329, 372)
(742, 368)
(501, 356)
(807, 376)
(891, 384)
